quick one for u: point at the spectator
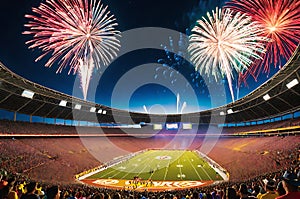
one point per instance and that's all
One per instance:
(195, 195)
(53, 192)
(231, 193)
(256, 190)
(270, 186)
(10, 184)
(98, 196)
(3, 184)
(13, 191)
(280, 190)
(30, 194)
(243, 192)
(107, 196)
(116, 196)
(290, 184)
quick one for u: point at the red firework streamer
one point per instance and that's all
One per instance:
(280, 20)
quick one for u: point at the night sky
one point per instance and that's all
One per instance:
(152, 96)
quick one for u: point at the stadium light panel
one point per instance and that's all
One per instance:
(78, 106)
(222, 113)
(229, 111)
(157, 127)
(104, 112)
(28, 94)
(63, 103)
(93, 109)
(187, 126)
(100, 111)
(293, 83)
(266, 97)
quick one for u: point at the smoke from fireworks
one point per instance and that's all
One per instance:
(80, 34)
(224, 43)
(280, 20)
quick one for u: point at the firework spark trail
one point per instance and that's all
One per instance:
(224, 43)
(280, 20)
(176, 61)
(75, 33)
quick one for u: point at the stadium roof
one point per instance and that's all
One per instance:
(278, 96)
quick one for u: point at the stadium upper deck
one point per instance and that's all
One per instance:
(278, 96)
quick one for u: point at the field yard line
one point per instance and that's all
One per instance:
(112, 171)
(195, 169)
(180, 172)
(167, 169)
(146, 165)
(150, 152)
(119, 173)
(206, 173)
(127, 173)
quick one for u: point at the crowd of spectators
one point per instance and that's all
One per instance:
(282, 184)
(257, 166)
(16, 185)
(44, 158)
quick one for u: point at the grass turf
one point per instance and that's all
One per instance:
(161, 165)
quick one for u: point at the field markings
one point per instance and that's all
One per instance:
(167, 169)
(133, 163)
(180, 171)
(107, 174)
(115, 171)
(147, 164)
(176, 167)
(194, 169)
(204, 170)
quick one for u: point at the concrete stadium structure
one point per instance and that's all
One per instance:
(278, 96)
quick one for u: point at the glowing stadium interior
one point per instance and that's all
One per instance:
(275, 98)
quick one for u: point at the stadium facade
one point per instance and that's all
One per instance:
(277, 99)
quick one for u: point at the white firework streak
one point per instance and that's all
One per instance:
(225, 42)
(85, 71)
(76, 33)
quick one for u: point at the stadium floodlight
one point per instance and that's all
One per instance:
(187, 126)
(93, 109)
(222, 113)
(100, 111)
(229, 111)
(77, 106)
(104, 112)
(28, 94)
(266, 97)
(63, 103)
(293, 83)
(157, 127)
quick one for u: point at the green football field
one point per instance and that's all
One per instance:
(161, 165)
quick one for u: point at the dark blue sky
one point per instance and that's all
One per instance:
(130, 14)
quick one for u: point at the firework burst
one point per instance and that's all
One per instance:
(280, 20)
(79, 34)
(176, 63)
(224, 43)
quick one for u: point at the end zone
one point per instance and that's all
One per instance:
(146, 185)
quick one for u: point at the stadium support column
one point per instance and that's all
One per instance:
(15, 116)
(30, 118)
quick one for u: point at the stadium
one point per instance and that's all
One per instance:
(92, 150)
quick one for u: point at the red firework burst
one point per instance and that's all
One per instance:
(280, 20)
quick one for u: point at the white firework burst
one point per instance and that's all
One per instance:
(225, 42)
